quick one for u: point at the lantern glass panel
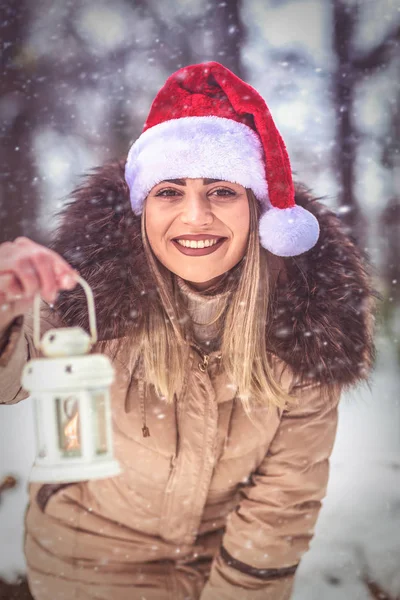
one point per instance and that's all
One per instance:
(69, 427)
(99, 422)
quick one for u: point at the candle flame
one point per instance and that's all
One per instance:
(71, 434)
(71, 428)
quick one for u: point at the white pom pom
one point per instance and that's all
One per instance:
(288, 231)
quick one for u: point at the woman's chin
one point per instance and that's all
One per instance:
(201, 283)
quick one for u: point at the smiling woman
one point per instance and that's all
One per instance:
(234, 310)
(193, 218)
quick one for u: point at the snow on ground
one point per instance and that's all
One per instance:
(358, 532)
(17, 452)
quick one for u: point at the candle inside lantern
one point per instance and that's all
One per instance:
(68, 425)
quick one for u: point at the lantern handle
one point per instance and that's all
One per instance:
(91, 311)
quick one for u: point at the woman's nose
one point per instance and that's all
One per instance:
(196, 210)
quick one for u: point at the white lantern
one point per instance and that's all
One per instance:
(71, 390)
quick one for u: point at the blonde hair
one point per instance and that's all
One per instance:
(165, 336)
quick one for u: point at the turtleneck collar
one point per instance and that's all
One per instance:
(204, 308)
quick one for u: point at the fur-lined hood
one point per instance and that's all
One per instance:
(322, 312)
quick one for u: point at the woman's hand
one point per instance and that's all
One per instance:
(27, 268)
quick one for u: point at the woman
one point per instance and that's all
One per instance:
(235, 311)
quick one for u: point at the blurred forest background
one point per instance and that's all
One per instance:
(78, 78)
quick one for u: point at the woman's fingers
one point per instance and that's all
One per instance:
(68, 281)
(10, 287)
(49, 285)
(13, 308)
(13, 303)
(27, 275)
(54, 274)
(27, 269)
(35, 268)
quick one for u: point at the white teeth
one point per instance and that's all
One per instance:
(199, 244)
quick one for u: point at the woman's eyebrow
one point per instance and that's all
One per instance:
(176, 181)
(183, 182)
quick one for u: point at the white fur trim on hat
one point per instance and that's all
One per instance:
(196, 147)
(288, 231)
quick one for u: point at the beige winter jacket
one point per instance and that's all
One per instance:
(212, 505)
(206, 475)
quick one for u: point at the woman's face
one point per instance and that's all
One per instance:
(198, 228)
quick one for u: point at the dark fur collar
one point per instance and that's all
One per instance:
(322, 309)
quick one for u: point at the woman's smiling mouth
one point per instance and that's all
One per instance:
(198, 245)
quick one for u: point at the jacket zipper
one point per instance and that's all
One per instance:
(205, 359)
(204, 364)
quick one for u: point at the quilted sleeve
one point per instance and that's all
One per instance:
(16, 348)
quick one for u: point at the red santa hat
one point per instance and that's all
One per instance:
(205, 122)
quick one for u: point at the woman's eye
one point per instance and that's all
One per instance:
(223, 192)
(167, 193)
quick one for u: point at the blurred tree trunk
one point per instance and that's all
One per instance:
(218, 35)
(344, 83)
(390, 219)
(18, 197)
(224, 34)
(390, 228)
(350, 69)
